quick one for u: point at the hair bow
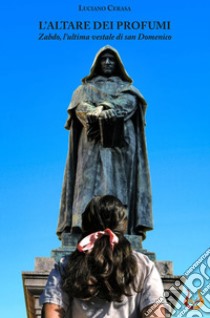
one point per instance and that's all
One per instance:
(87, 243)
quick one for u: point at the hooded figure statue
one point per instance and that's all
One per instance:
(107, 152)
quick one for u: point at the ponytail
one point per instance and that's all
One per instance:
(104, 266)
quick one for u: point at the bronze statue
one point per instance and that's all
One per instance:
(107, 150)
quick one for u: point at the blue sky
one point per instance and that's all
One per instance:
(37, 80)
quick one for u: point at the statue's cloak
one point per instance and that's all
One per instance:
(93, 170)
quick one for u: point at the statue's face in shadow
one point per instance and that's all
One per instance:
(108, 64)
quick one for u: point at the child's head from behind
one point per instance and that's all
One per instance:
(104, 212)
(101, 267)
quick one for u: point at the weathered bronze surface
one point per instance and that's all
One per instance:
(107, 151)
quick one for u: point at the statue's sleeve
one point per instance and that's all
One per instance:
(80, 105)
(82, 110)
(88, 115)
(123, 106)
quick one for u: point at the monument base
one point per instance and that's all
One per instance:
(34, 282)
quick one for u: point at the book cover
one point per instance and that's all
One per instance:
(47, 47)
(112, 132)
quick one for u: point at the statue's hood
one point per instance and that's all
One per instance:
(95, 66)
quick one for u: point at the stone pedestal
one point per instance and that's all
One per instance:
(34, 282)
